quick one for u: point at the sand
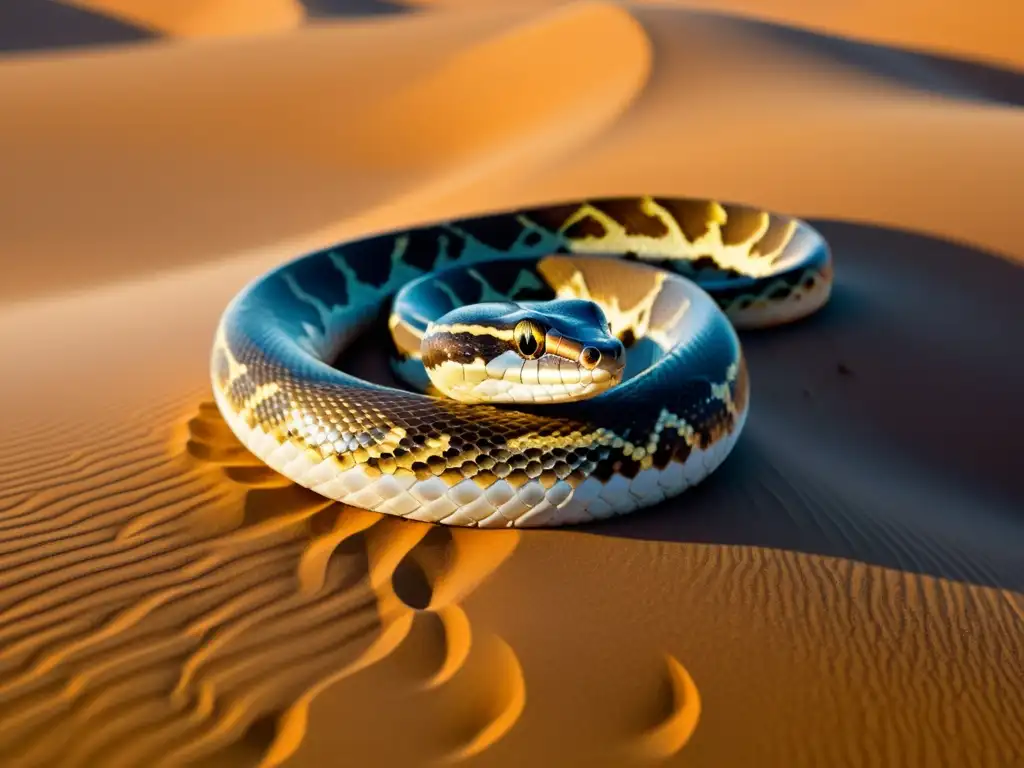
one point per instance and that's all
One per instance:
(846, 590)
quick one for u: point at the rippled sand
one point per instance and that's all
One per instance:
(847, 590)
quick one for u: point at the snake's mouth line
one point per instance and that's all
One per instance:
(519, 381)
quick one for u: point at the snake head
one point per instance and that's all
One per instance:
(538, 352)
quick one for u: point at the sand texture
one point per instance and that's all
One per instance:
(847, 590)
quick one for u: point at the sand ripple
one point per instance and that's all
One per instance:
(196, 604)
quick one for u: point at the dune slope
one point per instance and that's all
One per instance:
(737, 111)
(158, 157)
(987, 31)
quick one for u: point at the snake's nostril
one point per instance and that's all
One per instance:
(590, 357)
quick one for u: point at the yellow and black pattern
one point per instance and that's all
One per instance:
(439, 460)
(479, 339)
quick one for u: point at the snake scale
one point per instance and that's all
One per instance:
(666, 280)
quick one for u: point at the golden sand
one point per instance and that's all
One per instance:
(847, 590)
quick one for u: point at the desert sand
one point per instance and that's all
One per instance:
(847, 590)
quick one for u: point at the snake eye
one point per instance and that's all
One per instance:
(529, 338)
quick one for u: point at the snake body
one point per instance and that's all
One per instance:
(674, 277)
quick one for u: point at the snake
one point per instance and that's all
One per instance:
(554, 365)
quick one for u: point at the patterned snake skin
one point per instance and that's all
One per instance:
(671, 422)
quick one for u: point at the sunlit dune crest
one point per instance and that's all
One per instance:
(202, 18)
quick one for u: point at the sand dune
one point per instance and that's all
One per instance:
(885, 150)
(202, 18)
(988, 31)
(225, 129)
(846, 590)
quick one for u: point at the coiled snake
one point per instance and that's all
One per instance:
(531, 428)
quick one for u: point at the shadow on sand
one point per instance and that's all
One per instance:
(887, 429)
(29, 25)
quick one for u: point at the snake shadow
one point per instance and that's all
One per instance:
(887, 429)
